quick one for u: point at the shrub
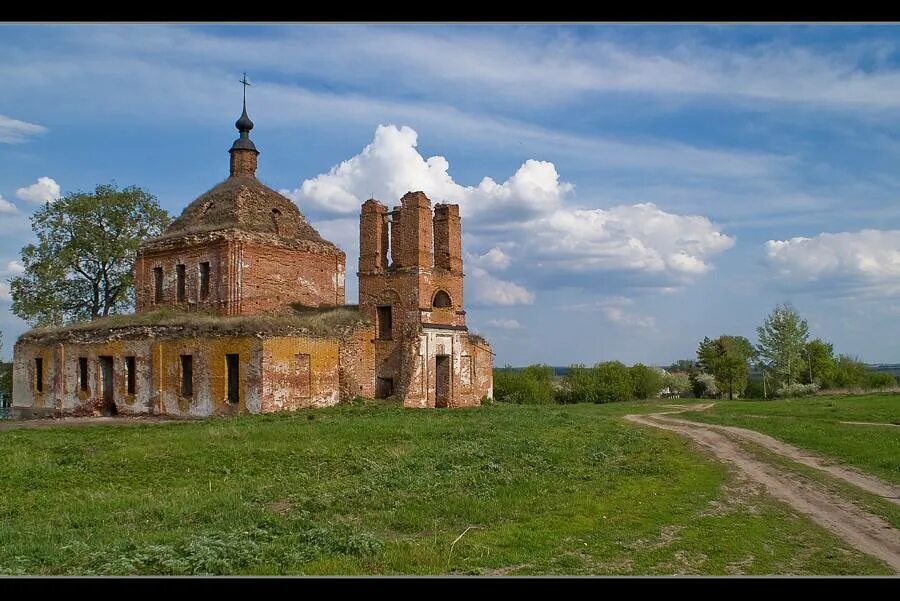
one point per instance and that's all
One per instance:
(579, 385)
(876, 379)
(796, 389)
(532, 385)
(604, 383)
(646, 382)
(849, 372)
(613, 382)
(705, 386)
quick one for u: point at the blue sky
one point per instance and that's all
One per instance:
(625, 189)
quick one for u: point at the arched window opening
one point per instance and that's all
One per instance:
(441, 300)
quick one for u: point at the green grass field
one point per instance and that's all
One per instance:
(383, 490)
(814, 424)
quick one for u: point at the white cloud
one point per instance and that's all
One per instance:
(613, 309)
(637, 238)
(509, 68)
(391, 166)
(490, 290)
(505, 324)
(13, 131)
(45, 189)
(492, 259)
(865, 263)
(618, 316)
(528, 218)
(6, 207)
(15, 267)
(4, 293)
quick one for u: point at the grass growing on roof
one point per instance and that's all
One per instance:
(315, 321)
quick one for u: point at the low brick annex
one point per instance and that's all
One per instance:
(240, 308)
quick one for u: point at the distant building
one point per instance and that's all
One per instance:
(240, 309)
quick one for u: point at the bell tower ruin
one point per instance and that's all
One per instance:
(411, 288)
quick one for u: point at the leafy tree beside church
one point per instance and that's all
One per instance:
(81, 267)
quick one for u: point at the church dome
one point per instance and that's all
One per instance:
(247, 205)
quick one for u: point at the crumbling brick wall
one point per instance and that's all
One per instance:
(274, 277)
(357, 364)
(411, 260)
(247, 275)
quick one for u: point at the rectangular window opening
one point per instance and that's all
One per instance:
(157, 284)
(83, 374)
(204, 280)
(179, 270)
(233, 364)
(187, 375)
(383, 319)
(39, 374)
(129, 369)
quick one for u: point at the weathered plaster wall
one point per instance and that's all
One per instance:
(25, 393)
(210, 388)
(470, 373)
(293, 382)
(269, 375)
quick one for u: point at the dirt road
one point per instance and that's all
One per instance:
(863, 530)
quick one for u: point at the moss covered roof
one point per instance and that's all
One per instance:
(245, 204)
(317, 322)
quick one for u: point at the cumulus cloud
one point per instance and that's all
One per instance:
(618, 316)
(505, 324)
(527, 224)
(15, 267)
(6, 207)
(490, 290)
(13, 131)
(492, 259)
(613, 308)
(45, 189)
(865, 263)
(391, 166)
(640, 238)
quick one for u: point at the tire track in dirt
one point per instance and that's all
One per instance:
(866, 482)
(863, 530)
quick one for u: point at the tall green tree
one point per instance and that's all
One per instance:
(781, 342)
(727, 359)
(820, 364)
(82, 264)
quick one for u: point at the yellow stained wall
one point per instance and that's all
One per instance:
(210, 375)
(284, 382)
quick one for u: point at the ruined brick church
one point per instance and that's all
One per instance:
(240, 308)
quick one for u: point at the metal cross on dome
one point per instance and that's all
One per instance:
(246, 83)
